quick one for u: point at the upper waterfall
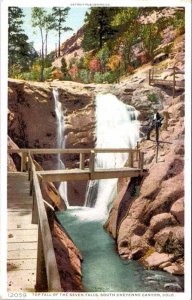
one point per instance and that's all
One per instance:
(60, 142)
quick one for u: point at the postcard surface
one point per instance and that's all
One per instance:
(95, 150)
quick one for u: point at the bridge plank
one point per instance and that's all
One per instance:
(22, 235)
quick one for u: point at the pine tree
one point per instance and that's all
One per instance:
(64, 68)
(60, 15)
(98, 29)
(21, 53)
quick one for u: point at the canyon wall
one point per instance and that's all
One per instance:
(32, 123)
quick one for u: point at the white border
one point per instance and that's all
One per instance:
(3, 148)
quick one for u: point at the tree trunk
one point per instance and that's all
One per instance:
(101, 36)
(46, 37)
(59, 42)
(42, 57)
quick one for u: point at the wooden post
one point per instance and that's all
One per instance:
(23, 161)
(34, 210)
(141, 160)
(173, 82)
(41, 276)
(130, 160)
(31, 184)
(82, 161)
(137, 156)
(92, 161)
(149, 76)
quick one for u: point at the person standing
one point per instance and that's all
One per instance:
(155, 124)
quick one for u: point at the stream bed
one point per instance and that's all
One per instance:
(102, 268)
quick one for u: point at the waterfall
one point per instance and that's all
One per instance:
(60, 141)
(116, 127)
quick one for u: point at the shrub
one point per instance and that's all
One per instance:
(107, 77)
(84, 76)
(57, 74)
(73, 72)
(114, 62)
(47, 73)
(152, 97)
(95, 65)
(15, 71)
(98, 77)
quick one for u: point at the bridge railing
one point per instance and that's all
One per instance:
(155, 78)
(134, 155)
(47, 274)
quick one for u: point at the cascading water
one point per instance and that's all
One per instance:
(103, 270)
(60, 142)
(117, 127)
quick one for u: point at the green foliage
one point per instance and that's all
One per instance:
(107, 77)
(151, 38)
(80, 63)
(15, 71)
(84, 76)
(35, 72)
(64, 69)
(152, 97)
(21, 53)
(98, 29)
(179, 22)
(104, 55)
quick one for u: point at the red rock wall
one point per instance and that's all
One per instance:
(68, 260)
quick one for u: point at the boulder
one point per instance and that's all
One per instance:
(160, 221)
(156, 259)
(170, 240)
(177, 210)
(175, 269)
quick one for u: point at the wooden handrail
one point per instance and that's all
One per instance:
(46, 260)
(154, 79)
(70, 151)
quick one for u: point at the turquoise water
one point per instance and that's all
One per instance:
(103, 270)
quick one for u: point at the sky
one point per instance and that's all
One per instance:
(74, 20)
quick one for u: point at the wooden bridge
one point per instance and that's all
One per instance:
(156, 79)
(46, 276)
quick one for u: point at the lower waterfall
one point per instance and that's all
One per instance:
(60, 142)
(116, 127)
